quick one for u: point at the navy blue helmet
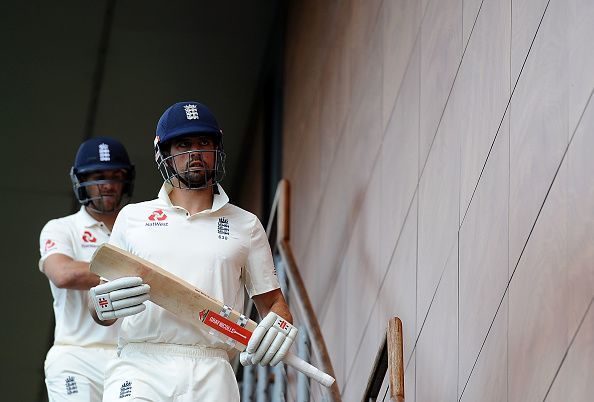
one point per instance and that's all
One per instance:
(185, 119)
(101, 154)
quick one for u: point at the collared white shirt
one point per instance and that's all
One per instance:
(219, 250)
(76, 236)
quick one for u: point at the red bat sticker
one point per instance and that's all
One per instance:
(225, 326)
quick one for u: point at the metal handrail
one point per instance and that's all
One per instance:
(389, 359)
(301, 304)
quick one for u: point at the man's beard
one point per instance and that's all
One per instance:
(196, 177)
(107, 204)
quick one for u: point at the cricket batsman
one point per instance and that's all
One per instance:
(193, 231)
(103, 180)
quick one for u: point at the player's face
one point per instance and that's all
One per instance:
(194, 158)
(107, 194)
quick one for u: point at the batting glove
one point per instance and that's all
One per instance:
(119, 298)
(270, 341)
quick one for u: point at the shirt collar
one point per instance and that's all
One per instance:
(218, 202)
(86, 219)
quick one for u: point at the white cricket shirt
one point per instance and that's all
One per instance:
(218, 250)
(76, 236)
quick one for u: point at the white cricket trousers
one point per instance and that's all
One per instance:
(166, 372)
(76, 373)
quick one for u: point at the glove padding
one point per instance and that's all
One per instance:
(119, 298)
(270, 341)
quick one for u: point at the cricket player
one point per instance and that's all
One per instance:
(192, 231)
(102, 177)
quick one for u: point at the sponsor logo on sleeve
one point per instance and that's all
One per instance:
(49, 245)
(71, 387)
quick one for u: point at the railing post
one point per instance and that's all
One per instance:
(247, 388)
(278, 389)
(396, 359)
(281, 273)
(313, 345)
(307, 315)
(283, 220)
(262, 384)
(303, 385)
(389, 359)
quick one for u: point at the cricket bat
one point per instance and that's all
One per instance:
(189, 303)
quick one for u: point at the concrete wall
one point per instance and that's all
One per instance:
(440, 153)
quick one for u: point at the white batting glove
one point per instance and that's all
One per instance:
(270, 341)
(119, 298)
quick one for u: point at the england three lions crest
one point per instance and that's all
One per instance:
(223, 228)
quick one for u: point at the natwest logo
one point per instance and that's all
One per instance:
(89, 240)
(88, 237)
(157, 218)
(49, 244)
(157, 215)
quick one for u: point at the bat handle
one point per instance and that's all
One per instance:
(309, 370)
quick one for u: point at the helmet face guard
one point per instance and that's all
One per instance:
(101, 154)
(187, 176)
(97, 203)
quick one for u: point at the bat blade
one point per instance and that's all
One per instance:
(188, 302)
(167, 290)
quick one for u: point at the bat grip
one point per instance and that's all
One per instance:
(309, 370)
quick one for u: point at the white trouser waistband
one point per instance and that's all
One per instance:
(172, 349)
(94, 346)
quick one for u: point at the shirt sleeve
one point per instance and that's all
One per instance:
(54, 239)
(260, 274)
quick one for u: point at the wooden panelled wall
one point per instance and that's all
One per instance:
(441, 154)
